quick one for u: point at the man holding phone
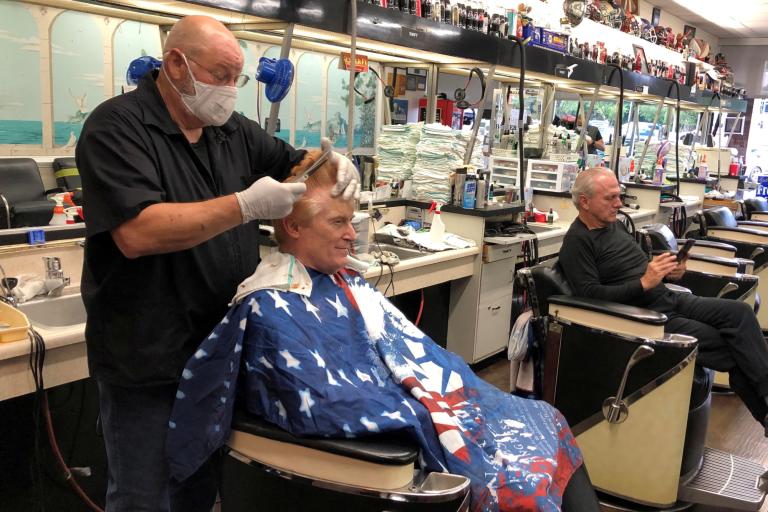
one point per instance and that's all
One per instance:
(602, 261)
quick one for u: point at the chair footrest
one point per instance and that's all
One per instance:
(725, 481)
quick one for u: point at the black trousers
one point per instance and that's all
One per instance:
(730, 340)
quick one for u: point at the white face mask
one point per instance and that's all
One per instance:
(212, 104)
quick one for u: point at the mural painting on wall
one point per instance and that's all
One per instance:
(309, 75)
(132, 39)
(20, 97)
(77, 73)
(365, 113)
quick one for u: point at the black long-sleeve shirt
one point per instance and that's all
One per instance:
(606, 263)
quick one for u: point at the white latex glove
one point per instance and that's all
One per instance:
(347, 176)
(588, 139)
(268, 199)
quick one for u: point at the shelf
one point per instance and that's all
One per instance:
(391, 32)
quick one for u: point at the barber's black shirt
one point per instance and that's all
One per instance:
(146, 316)
(607, 264)
(593, 132)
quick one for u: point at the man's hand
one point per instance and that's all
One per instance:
(657, 270)
(347, 177)
(268, 199)
(678, 271)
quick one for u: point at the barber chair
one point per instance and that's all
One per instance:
(23, 200)
(706, 275)
(68, 178)
(751, 241)
(636, 402)
(268, 469)
(755, 209)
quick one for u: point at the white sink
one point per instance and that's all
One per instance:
(53, 312)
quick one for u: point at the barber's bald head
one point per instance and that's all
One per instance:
(195, 35)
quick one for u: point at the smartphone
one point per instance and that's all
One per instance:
(682, 253)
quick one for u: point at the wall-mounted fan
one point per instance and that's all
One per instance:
(278, 75)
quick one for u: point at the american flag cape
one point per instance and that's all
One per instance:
(344, 362)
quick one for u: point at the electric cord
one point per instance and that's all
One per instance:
(678, 220)
(461, 93)
(36, 365)
(616, 153)
(520, 122)
(421, 309)
(389, 91)
(677, 133)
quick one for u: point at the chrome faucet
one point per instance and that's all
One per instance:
(7, 295)
(53, 270)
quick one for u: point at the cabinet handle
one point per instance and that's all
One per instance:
(506, 251)
(494, 308)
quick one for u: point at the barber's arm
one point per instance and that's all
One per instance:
(578, 260)
(170, 227)
(598, 142)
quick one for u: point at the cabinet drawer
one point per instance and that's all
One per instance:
(496, 280)
(495, 252)
(493, 321)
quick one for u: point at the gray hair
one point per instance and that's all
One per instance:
(585, 183)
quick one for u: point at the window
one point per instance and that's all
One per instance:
(20, 96)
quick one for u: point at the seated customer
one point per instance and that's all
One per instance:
(320, 352)
(602, 261)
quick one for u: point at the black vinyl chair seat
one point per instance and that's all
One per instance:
(386, 449)
(22, 187)
(756, 204)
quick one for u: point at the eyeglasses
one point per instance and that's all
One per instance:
(239, 80)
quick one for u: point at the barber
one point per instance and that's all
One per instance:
(172, 182)
(593, 136)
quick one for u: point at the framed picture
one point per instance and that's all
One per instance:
(639, 50)
(689, 32)
(656, 17)
(399, 111)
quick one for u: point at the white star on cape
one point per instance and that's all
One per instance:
(408, 405)
(371, 426)
(280, 302)
(341, 309)
(281, 410)
(311, 308)
(344, 377)
(200, 354)
(290, 361)
(306, 402)
(255, 308)
(331, 380)
(320, 361)
(263, 360)
(364, 377)
(397, 415)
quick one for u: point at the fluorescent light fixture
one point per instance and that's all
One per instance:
(714, 11)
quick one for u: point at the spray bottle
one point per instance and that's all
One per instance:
(658, 176)
(437, 228)
(703, 168)
(59, 217)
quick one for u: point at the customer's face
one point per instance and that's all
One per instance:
(323, 243)
(605, 202)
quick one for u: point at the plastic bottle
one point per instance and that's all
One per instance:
(470, 189)
(481, 194)
(437, 228)
(658, 176)
(703, 168)
(59, 218)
